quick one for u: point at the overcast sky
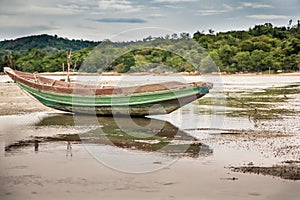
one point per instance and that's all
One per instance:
(104, 19)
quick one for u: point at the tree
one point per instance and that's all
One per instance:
(208, 65)
(290, 24)
(125, 62)
(198, 35)
(8, 61)
(216, 58)
(176, 62)
(226, 54)
(265, 29)
(257, 58)
(174, 36)
(242, 61)
(211, 31)
(185, 35)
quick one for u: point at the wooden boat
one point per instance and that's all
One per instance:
(160, 98)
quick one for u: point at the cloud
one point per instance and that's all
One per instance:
(7, 14)
(256, 5)
(209, 12)
(122, 20)
(173, 6)
(73, 7)
(40, 10)
(268, 17)
(228, 7)
(173, 1)
(156, 15)
(119, 5)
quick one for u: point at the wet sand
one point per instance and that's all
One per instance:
(280, 146)
(14, 101)
(53, 175)
(290, 171)
(269, 160)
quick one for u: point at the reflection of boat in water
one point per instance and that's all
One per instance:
(109, 100)
(142, 134)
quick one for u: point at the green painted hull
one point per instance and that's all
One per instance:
(137, 104)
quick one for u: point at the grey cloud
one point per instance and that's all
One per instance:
(268, 17)
(122, 20)
(124, 5)
(257, 5)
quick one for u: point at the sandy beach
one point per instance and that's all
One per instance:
(14, 101)
(257, 163)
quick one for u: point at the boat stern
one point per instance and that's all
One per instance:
(203, 87)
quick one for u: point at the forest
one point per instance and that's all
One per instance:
(262, 48)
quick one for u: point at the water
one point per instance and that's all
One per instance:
(55, 154)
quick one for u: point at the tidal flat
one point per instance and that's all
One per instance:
(241, 141)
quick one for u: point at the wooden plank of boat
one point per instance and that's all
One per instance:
(141, 100)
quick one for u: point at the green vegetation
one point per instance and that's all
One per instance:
(263, 48)
(260, 49)
(39, 60)
(47, 43)
(159, 55)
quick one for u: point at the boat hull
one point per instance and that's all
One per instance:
(135, 105)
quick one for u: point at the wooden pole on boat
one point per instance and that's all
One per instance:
(69, 54)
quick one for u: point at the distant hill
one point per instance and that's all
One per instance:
(48, 43)
(261, 49)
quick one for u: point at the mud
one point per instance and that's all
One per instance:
(290, 171)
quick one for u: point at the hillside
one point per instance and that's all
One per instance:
(48, 43)
(263, 48)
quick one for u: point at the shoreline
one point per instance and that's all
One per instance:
(166, 74)
(162, 74)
